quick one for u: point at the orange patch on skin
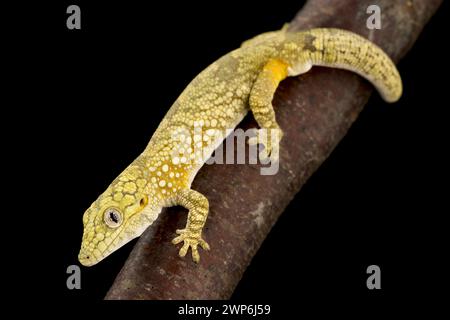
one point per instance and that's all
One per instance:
(277, 69)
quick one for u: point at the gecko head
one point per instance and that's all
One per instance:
(118, 216)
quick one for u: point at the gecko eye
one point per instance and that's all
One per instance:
(143, 202)
(112, 217)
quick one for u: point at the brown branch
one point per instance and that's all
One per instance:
(315, 111)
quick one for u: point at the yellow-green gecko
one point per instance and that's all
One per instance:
(218, 99)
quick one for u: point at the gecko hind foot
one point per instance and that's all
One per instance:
(191, 241)
(270, 139)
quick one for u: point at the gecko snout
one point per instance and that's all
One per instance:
(85, 259)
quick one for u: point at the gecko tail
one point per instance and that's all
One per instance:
(346, 50)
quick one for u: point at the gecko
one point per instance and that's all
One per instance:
(217, 99)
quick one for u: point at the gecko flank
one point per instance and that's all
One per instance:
(218, 99)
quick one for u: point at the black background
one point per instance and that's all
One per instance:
(99, 93)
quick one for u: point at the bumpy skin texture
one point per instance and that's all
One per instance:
(216, 100)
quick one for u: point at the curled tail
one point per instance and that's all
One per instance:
(346, 50)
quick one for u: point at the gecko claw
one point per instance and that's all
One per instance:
(191, 241)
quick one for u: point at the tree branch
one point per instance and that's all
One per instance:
(315, 111)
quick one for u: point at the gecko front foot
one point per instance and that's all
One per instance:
(270, 138)
(190, 240)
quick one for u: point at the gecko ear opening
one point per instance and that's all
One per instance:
(143, 202)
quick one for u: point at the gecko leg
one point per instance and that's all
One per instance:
(191, 235)
(261, 97)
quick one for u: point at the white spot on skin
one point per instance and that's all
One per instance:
(171, 174)
(176, 160)
(165, 168)
(162, 183)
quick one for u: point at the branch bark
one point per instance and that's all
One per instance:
(315, 111)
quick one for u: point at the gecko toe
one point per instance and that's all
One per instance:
(204, 244)
(184, 249)
(177, 240)
(195, 255)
